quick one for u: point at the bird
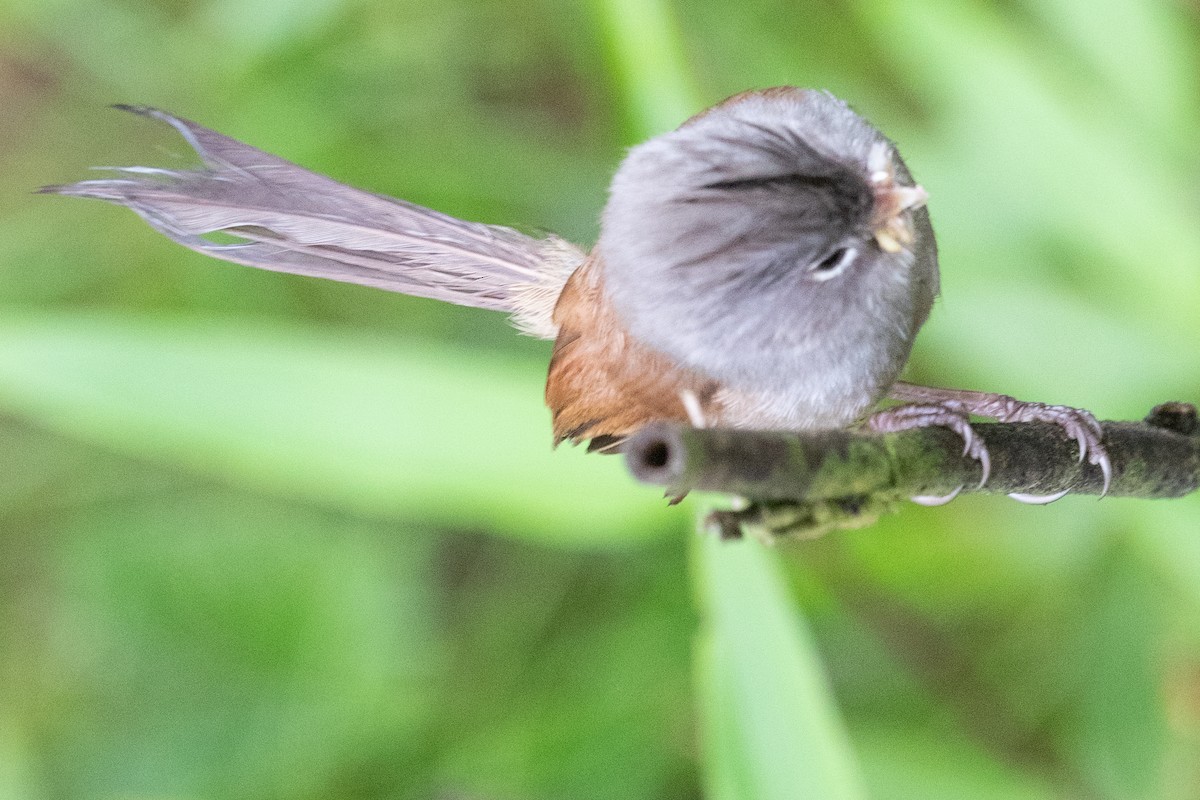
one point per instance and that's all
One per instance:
(767, 265)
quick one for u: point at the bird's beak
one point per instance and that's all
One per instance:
(891, 225)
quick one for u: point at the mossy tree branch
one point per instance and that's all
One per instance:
(810, 483)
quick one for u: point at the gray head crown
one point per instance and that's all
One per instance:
(738, 242)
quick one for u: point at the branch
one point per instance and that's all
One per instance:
(813, 482)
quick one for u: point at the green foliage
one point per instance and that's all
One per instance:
(264, 537)
(771, 728)
(320, 417)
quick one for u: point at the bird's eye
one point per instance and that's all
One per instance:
(833, 264)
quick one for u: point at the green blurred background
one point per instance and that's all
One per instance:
(270, 537)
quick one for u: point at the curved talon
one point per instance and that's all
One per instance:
(917, 415)
(1038, 499)
(973, 447)
(967, 434)
(1105, 466)
(985, 466)
(1090, 446)
(674, 498)
(1078, 424)
(931, 500)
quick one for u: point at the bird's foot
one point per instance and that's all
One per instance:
(1077, 423)
(1080, 425)
(928, 415)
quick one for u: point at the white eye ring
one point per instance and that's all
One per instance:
(833, 264)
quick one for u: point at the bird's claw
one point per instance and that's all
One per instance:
(1077, 423)
(931, 500)
(1038, 499)
(908, 417)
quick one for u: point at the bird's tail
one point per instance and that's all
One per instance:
(250, 207)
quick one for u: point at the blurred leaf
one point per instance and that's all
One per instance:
(1119, 735)
(1159, 93)
(375, 427)
(258, 26)
(910, 764)
(218, 646)
(16, 765)
(1013, 330)
(154, 47)
(578, 681)
(1167, 538)
(648, 59)
(771, 724)
(1045, 154)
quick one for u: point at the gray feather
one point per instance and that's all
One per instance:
(711, 244)
(286, 219)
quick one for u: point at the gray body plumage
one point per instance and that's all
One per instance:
(709, 245)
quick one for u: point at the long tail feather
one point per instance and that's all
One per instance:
(284, 218)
